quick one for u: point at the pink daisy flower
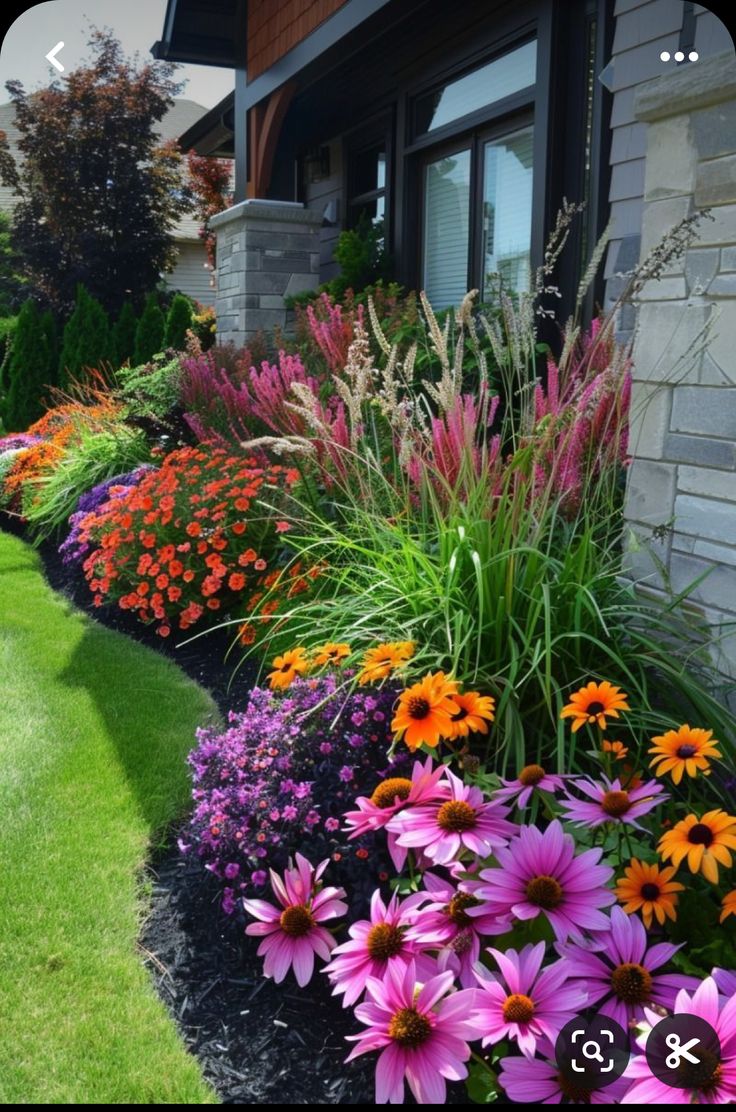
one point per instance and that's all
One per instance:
(443, 829)
(445, 918)
(539, 1081)
(620, 970)
(714, 1085)
(421, 1031)
(525, 1002)
(612, 803)
(726, 981)
(378, 943)
(539, 874)
(292, 933)
(391, 796)
(531, 778)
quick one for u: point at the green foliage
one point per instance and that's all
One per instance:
(149, 333)
(151, 390)
(94, 455)
(87, 342)
(11, 279)
(361, 255)
(30, 368)
(123, 335)
(178, 320)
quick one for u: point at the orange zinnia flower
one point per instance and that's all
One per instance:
(704, 842)
(592, 703)
(683, 750)
(287, 666)
(650, 890)
(331, 653)
(384, 659)
(472, 714)
(425, 710)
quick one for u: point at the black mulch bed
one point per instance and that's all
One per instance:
(257, 1042)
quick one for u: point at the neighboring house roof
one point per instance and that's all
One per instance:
(181, 116)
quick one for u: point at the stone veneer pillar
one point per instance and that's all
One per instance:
(266, 251)
(681, 494)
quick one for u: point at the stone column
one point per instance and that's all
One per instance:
(681, 495)
(266, 251)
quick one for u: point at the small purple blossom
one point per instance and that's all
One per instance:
(346, 774)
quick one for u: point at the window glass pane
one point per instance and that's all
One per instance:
(446, 229)
(372, 211)
(507, 210)
(369, 171)
(500, 78)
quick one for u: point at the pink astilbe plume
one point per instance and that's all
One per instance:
(332, 330)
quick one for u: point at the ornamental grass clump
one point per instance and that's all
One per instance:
(278, 780)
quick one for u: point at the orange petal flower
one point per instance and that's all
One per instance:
(592, 703)
(425, 710)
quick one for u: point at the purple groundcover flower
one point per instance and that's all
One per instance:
(523, 1001)
(620, 972)
(71, 550)
(379, 943)
(716, 1085)
(612, 803)
(539, 874)
(292, 934)
(17, 441)
(531, 778)
(539, 1081)
(421, 1031)
(444, 915)
(465, 820)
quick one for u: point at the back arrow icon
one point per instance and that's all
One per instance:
(51, 57)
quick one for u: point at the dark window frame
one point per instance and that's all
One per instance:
(369, 134)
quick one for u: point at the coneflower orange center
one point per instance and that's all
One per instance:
(650, 891)
(632, 983)
(384, 941)
(705, 1076)
(544, 892)
(409, 1028)
(518, 1008)
(616, 803)
(531, 775)
(700, 834)
(389, 790)
(456, 816)
(456, 908)
(418, 707)
(686, 751)
(296, 920)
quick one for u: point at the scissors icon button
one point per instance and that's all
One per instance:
(679, 1051)
(683, 1051)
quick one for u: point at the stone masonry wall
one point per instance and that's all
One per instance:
(681, 492)
(266, 251)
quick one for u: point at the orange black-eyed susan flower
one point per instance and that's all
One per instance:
(686, 750)
(472, 714)
(424, 713)
(333, 652)
(592, 703)
(617, 749)
(728, 905)
(381, 661)
(286, 667)
(650, 890)
(705, 843)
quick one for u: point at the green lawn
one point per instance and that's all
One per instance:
(93, 733)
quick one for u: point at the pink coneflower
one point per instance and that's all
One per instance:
(621, 971)
(445, 917)
(713, 1079)
(422, 1034)
(443, 829)
(525, 1002)
(539, 1081)
(611, 802)
(726, 981)
(539, 874)
(394, 794)
(531, 778)
(377, 944)
(292, 933)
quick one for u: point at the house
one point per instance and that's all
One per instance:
(191, 273)
(462, 127)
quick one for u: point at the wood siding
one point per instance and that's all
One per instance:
(190, 275)
(276, 26)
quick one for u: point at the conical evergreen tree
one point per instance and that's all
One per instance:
(124, 334)
(149, 335)
(30, 369)
(87, 340)
(178, 320)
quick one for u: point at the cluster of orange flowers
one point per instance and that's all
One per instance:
(703, 842)
(181, 542)
(298, 662)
